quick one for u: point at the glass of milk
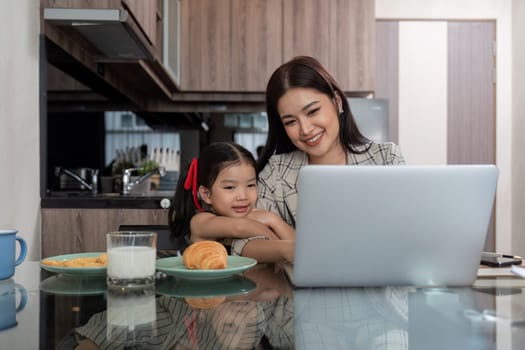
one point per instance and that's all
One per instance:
(131, 314)
(131, 258)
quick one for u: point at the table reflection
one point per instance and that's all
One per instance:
(401, 318)
(130, 314)
(241, 312)
(260, 310)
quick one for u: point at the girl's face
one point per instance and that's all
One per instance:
(234, 192)
(310, 119)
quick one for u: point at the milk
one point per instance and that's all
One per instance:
(130, 314)
(131, 262)
(130, 311)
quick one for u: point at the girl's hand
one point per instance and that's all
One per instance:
(273, 221)
(263, 216)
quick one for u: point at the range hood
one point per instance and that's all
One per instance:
(112, 31)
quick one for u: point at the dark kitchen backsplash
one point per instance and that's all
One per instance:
(75, 140)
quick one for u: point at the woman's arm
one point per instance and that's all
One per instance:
(275, 222)
(270, 251)
(210, 226)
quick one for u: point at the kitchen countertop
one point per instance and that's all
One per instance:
(80, 199)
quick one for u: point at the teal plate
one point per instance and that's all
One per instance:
(175, 267)
(75, 271)
(182, 288)
(74, 285)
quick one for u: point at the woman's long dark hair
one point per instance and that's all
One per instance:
(213, 159)
(304, 72)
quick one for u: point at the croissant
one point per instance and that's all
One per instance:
(205, 255)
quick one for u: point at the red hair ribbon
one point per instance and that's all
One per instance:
(191, 182)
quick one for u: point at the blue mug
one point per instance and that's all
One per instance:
(8, 305)
(8, 262)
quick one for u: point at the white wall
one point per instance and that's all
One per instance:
(501, 11)
(423, 92)
(19, 121)
(518, 137)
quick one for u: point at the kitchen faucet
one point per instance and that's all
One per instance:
(127, 184)
(93, 186)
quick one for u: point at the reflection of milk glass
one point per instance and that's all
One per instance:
(130, 314)
(131, 257)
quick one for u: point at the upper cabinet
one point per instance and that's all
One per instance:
(118, 29)
(167, 54)
(235, 45)
(339, 33)
(205, 45)
(115, 47)
(145, 13)
(256, 42)
(229, 45)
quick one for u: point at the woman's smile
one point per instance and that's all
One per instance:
(315, 140)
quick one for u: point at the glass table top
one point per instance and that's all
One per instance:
(257, 309)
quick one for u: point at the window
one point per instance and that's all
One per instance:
(126, 131)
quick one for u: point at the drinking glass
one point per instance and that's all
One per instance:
(131, 258)
(130, 314)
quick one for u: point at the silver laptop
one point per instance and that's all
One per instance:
(391, 225)
(391, 318)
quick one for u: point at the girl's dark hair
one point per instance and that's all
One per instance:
(304, 72)
(213, 159)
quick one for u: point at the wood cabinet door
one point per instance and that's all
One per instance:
(145, 13)
(339, 33)
(256, 39)
(206, 45)
(69, 230)
(306, 29)
(352, 44)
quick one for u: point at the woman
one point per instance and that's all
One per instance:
(310, 122)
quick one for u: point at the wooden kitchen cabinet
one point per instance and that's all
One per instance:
(306, 30)
(256, 43)
(205, 45)
(75, 230)
(340, 33)
(235, 45)
(229, 45)
(144, 12)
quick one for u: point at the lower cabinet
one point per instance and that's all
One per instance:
(74, 230)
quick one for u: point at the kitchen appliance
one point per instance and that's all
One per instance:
(371, 117)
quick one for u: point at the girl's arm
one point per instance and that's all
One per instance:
(275, 222)
(210, 226)
(270, 251)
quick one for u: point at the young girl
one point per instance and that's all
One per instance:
(215, 200)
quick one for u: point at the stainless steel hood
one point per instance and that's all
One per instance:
(112, 31)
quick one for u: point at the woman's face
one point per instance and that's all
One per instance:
(310, 119)
(234, 192)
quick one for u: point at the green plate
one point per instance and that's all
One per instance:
(74, 285)
(181, 288)
(175, 267)
(76, 271)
